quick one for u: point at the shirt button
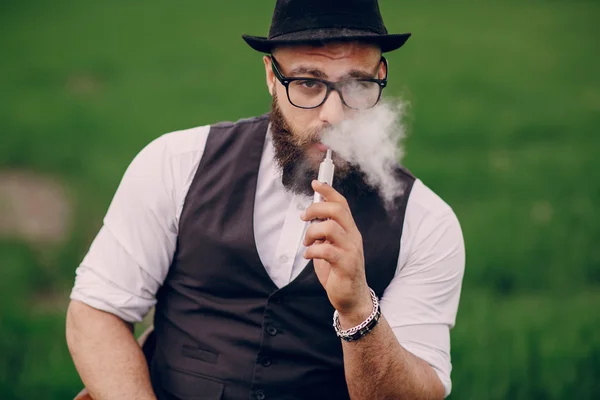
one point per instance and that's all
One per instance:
(260, 395)
(300, 206)
(271, 330)
(277, 299)
(283, 259)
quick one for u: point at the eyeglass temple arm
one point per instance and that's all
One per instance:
(385, 62)
(275, 69)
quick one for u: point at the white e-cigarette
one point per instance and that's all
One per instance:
(326, 170)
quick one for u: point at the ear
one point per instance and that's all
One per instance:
(270, 76)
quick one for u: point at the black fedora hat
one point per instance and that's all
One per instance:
(310, 21)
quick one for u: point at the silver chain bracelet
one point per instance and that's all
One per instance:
(362, 329)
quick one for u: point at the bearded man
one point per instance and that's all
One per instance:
(211, 226)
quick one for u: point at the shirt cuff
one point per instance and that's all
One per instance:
(97, 292)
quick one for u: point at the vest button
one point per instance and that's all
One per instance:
(260, 395)
(265, 362)
(271, 330)
(277, 299)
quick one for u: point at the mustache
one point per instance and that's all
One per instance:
(310, 136)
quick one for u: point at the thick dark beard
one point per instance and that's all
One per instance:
(297, 171)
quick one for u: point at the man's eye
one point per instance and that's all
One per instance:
(357, 85)
(308, 84)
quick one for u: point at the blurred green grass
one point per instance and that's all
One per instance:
(505, 108)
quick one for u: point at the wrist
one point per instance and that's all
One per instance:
(357, 331)
(356, 315)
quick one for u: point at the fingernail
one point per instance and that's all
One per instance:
(303, 215)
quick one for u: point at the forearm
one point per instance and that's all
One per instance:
(378, 367)
(108, 358)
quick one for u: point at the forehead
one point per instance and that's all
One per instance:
(332, 58)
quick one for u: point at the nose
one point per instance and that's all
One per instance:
(332, 111)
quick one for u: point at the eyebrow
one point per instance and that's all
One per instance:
(317, 73)
(355, 73)
(301, 70)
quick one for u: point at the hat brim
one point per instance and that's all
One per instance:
(387, 43)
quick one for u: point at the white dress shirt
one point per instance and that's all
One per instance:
(131, 255)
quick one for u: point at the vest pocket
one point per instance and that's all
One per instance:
(184, 385)
(199, 354)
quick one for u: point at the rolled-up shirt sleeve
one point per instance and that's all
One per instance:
(421, 302)
(111, 280)
(131, 254)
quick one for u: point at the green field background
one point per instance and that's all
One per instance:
(505, 118)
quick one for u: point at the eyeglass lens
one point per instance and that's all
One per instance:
(355, 93)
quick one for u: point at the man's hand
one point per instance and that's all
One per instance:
(336, 248)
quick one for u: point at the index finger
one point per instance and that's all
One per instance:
(329, 193)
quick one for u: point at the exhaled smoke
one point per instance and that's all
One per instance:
(371, 141)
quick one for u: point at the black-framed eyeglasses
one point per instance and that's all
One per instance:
(309, 93)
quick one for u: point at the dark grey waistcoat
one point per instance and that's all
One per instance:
(223, 329)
